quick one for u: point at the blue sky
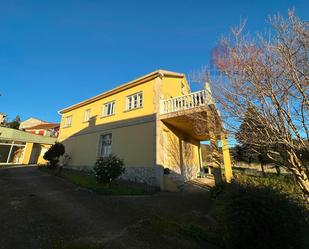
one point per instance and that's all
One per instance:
(56, 53)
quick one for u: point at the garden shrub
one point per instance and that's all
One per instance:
(109, 168)
(252, 217)
(53, 154)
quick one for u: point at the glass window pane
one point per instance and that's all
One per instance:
(16, 154)
(4, 153)
(140, 99)
(129, 100)
(105, 145)
(112, 107)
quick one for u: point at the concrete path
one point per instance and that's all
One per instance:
(42, 211)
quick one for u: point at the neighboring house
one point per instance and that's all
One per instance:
(19, 147)
(30, 122)
(50, 130)
(145, 122)
(2, 118)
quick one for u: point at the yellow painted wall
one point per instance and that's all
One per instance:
(180, 153)
(133, 143)
(149, 101)
(171, 87)
(27, 153)
(44, 147)
(29, 149)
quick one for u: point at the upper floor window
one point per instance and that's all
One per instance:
(68, 121)
(134, 101)
(183, 89)
(109, 109)
(105, 145)
(87, 115)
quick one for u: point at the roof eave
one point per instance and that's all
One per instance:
(143, 79)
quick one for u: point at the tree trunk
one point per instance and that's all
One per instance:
(277, 167)
(263, 169)
(300, 174)
(303, 183)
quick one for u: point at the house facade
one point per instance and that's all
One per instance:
(152, 122)
(19, 147)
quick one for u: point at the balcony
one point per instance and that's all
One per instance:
(181, 113)
(186, 102)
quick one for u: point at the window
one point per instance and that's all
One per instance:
(87, 115)
(134, 101)
(105, 145)
(68, 121)
(183, 89)
(109, 109)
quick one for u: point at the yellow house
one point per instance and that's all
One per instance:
(153, 122)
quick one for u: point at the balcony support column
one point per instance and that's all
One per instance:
(226, 159)
(200, 156)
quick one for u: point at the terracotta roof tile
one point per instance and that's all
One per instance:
(43, 126)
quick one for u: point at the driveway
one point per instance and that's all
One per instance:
(42, 211)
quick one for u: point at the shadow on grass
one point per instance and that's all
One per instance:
(258, 214)
(88, 181)
(188, 230)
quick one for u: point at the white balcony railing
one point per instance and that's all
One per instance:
(185, 102)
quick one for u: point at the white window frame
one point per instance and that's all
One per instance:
(68, 121)
(87, 115)
(134, 101)
(103, 152)
(183, 88)
(12, 144)
(108, 109)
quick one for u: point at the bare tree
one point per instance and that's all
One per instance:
(269, 73)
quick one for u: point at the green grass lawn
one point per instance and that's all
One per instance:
(87, 180)
(284, 183)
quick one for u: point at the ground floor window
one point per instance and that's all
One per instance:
(105, 145)
(11, 151)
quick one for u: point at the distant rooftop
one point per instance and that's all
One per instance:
(22, 136)
(43, 126)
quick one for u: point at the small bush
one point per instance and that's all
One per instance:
(253, 217)
(109, 168)
(53, 154)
